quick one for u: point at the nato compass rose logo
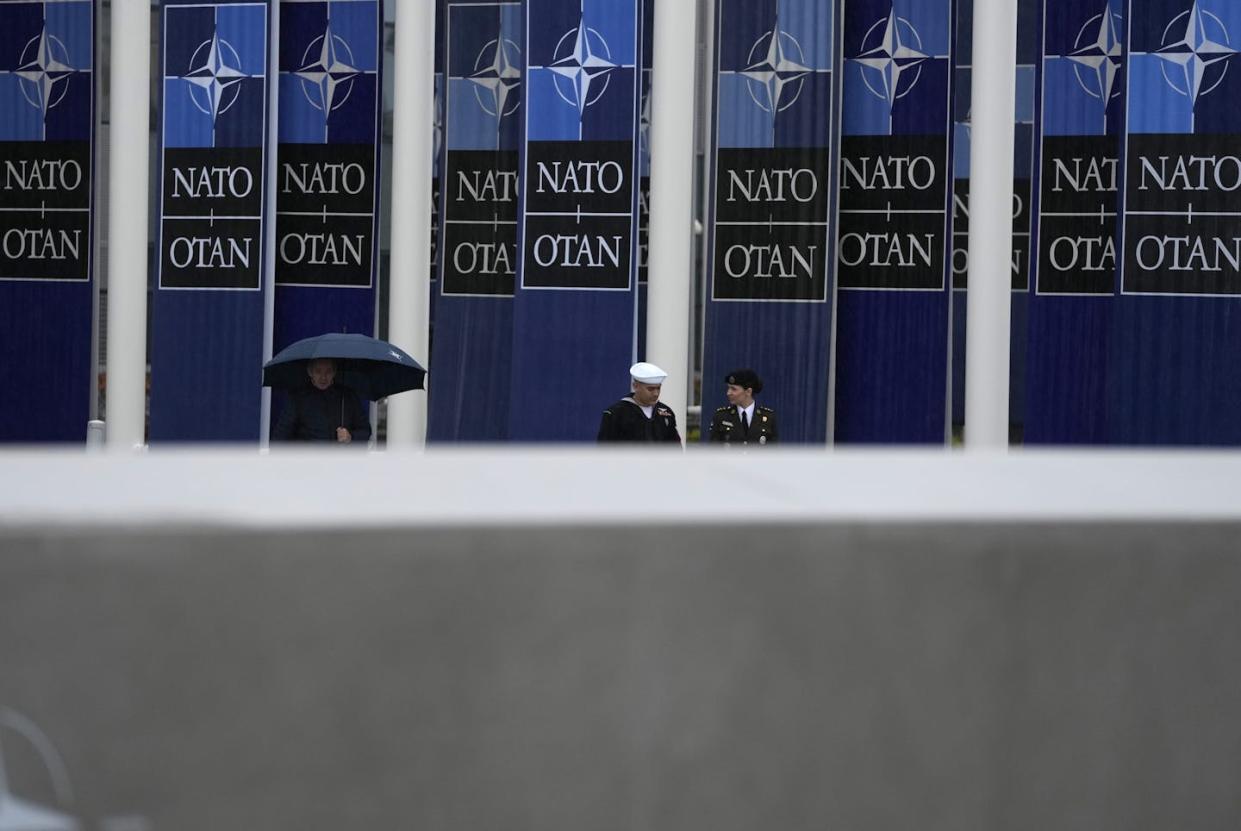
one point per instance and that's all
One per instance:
(43, 71)
(581, 67)
(1097, 55)
(775, 70)
(891, 58)
(1195, 53)
(17, 813)
(497, 74)
(215, 72)
(327, 72)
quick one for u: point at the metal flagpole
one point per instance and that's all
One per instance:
(671, 235)
(410, 298)
(991, 224)
(129, 137)
(269, 209)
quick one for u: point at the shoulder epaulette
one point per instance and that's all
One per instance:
(724, 408)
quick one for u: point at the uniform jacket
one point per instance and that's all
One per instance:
(624, 421)
(312, 414)
(726, 427)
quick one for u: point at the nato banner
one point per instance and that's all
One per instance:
(47, 118)
(772, 208)
(327, 168)
(1023, 216)
(473, 334)
(208, 308)
(894, 245)
(1081, 125)
(575, 308)
(1174, 377)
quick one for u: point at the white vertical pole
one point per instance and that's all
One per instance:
(128, 200)
(269, 211)
(671, 234)
(991, 224)
(706, 116)
(410, 298)
(94, 425)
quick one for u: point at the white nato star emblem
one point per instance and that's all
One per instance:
(327, 72)
(1195, 53)
(583, 67)
(1101, 55)
(775, 70)
(44, 70)
(495, 77)
(892, 58)
(213, 77)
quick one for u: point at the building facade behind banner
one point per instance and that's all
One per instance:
(833, 195)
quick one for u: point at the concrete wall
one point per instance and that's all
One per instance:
(835, 675)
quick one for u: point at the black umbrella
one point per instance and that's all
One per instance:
(370, 367)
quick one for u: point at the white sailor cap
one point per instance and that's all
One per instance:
(645, 373)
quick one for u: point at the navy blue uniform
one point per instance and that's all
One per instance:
(624, 421)
(726, 427)
(312, 414)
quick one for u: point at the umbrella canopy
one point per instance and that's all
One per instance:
(370, 367)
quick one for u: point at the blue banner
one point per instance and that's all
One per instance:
(208, 309)
(47, 119)
(327, 174)
(772, 210)
(327, 170)
(1081, 125)
(894, 244)
(1028, 44)
(575, 308)
(1176, 343)
(473, 335)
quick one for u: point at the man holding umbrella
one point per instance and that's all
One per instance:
(342, 369)
(322, 410)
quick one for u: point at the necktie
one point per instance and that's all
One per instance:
(745, 423)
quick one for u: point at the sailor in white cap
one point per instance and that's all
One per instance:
(639, 416)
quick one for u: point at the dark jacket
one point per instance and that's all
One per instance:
(312, 414)
(726, 427)
(624, 421)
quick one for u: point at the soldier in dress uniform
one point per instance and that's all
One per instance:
(744, 421)
(641, 416)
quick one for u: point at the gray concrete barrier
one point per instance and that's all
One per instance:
(836, 675)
